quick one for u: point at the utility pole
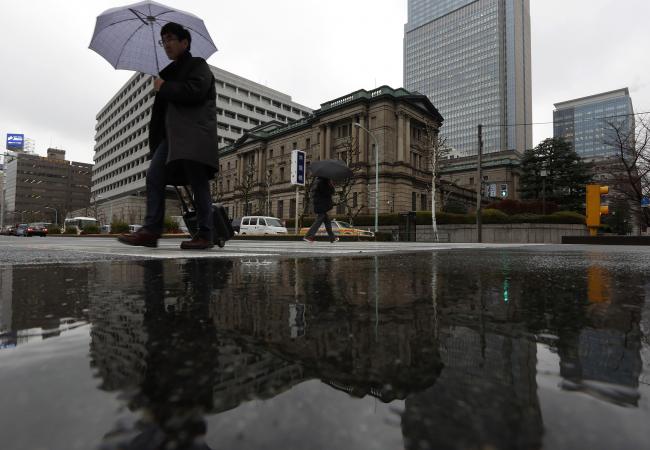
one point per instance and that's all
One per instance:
(479, 184)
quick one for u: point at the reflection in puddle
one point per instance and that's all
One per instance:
(456, 344)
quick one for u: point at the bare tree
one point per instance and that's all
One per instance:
(264, 194)
(434, 149)
(629, 170)
(216, 188)
(348, 151)
(91, 211)
(244, 186)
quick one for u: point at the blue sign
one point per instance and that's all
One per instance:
(15, 141)
(645, 202)
(301, 168)
(298, 167)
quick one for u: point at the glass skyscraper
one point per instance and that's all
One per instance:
(472, 59)
(584, 122)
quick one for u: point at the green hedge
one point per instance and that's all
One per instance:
(118, 227)
(489, 216)
(359, 221)
(171, 226)
(445, 218)
(90, 229)
(383, 236)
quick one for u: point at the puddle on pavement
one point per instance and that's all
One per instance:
(494, 349)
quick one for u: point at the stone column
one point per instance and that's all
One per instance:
(328, 141)
(263, 165)
(363, 140)
(240, 164)
(400, 137)
(321, 142)
(407, 137)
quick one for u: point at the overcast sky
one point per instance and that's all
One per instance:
(52, 86)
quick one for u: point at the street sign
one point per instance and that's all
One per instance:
(645, 202)
(492, 190)
(15, 141)
(298, 167)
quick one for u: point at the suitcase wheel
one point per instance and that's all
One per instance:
(221, 243)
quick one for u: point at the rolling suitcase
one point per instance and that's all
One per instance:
(222, 230)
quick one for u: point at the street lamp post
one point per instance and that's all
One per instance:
(56, 215)
(2, 205)
(376, 173)
(542, 173)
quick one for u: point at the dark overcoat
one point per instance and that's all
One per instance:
(185, 114)
(321, 195)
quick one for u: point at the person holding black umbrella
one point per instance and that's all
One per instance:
(321, 193)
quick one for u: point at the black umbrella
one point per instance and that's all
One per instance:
(334, 169)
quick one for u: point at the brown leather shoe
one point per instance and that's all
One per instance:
(141, 238)
(197, 243)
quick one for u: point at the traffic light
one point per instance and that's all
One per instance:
(504, 190)
(594, 208)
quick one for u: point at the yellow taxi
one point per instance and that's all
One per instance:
(340, 229)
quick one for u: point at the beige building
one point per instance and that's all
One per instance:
(255, 171)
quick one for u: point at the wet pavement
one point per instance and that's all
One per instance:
(500, 348)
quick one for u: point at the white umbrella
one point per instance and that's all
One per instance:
(127, 37)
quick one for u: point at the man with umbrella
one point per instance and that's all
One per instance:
(182, 139)
(321, 193)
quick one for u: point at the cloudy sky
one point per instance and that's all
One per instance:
(314, 50)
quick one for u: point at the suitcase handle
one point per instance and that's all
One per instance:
(186, 209)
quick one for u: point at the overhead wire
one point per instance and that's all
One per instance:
(577, 121)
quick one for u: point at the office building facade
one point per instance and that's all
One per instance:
(473, 60)
(44, 189)
(584, 122)
(122, 129)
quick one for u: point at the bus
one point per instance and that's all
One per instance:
(79, 223)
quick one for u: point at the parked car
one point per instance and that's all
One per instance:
(261, 225)
(8, 230)
(134, 228)
(30, 230)
(340, 229)
(19, 229)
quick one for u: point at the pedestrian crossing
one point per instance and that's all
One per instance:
(170, 248)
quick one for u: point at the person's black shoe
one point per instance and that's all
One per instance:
(141, 238)
(197, 243)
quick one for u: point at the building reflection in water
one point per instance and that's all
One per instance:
(184, 340)
(41, 301)
(459, 346)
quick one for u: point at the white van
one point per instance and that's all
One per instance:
(260, 225)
